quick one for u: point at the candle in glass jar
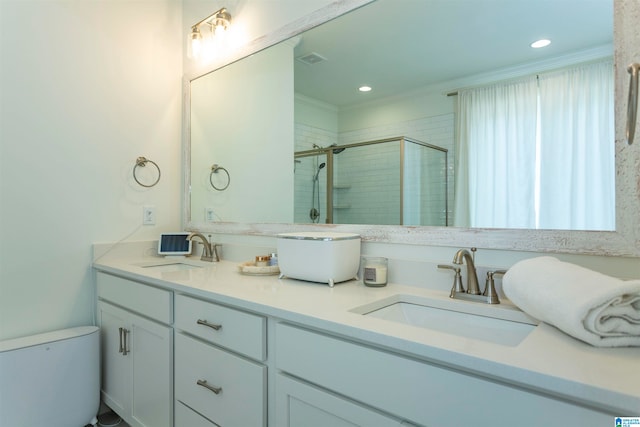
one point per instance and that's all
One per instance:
(375, 271)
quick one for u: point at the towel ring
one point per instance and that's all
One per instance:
(632, 107)
(214, 169)
(142, 162)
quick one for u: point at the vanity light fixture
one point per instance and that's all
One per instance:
(214, 24)
(540, 43)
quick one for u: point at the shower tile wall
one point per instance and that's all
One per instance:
(367, 190)
(436, 130)
(306, 136)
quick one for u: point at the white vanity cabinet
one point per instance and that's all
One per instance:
(136, 350)
(219, 374)
(411, 390)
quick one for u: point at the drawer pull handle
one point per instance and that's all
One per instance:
(204, 384)
(209, 325)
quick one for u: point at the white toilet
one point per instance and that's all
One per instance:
(51, 379)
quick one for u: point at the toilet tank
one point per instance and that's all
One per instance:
(51, 379)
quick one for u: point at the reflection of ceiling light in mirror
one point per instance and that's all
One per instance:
(364, 88)
(540, 43)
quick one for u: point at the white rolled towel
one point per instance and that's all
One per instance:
(601, 310)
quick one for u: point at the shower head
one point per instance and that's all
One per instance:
(320, 166)
(337, 150)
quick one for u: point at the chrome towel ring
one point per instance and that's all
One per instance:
(632, 107)
(142, 162)
(214, 169)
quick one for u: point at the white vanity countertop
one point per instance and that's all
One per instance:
(546, 360)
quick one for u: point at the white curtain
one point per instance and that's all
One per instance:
(538, 153)
(495, 181)
(577, 158)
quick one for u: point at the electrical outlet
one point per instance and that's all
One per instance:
(209, 216)
(148, 215)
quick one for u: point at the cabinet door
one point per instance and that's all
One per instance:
(116, 382)
(136, 367)
(150, 345)
(302, 405)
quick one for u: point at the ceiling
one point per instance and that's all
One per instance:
(396, 46)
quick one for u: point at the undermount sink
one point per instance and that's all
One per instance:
(168, 266)
(498, 324)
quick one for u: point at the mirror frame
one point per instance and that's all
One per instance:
(624, 241)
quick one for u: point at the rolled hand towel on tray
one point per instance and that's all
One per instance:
(601, 310)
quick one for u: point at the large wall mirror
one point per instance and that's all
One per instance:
(283, 139)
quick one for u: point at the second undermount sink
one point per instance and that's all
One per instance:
(504, 325)
(168, 266)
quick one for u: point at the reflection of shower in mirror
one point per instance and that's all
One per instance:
(336, 150)
(320, 167)
(314, 213)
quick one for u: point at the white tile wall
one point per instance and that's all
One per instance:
(436, 130)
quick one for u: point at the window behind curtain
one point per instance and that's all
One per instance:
(577, 157)
(538, 152)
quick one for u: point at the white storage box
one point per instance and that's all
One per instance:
(322, 257)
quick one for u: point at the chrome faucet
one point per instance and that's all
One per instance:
(489, 296)
(210, 252)
(472, 277)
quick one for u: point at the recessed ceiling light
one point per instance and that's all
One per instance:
(364, 88)
(540, 43)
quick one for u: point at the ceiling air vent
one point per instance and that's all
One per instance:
(311, 58)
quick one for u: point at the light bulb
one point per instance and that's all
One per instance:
(194, 46)
(219, 29)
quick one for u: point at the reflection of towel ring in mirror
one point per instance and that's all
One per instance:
(214, 169)
(142, 162)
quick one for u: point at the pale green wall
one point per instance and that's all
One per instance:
(87, 87)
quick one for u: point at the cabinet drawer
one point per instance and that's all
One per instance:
(239, 331)
(299, 404)
(146, 300)
(414, 390)
(241, 400)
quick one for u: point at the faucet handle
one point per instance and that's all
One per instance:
(457, 279)
(215, 251)
(489, 287)
(449, 267)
